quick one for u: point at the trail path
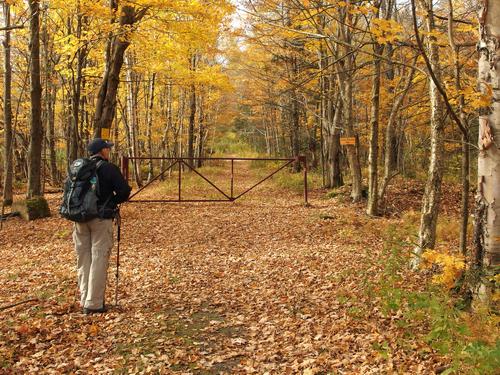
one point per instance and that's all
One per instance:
(262, 285)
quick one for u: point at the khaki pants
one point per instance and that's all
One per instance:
(93, 243)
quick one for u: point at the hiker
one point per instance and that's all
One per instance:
(94, 238)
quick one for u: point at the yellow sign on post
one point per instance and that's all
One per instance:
(347, 141)
(106, 133)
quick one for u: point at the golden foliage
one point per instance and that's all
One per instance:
(451, 266)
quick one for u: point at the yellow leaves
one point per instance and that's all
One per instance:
(364, 9)
(68, 45)
(451, 266)
(386, 31)
(473, 98)
(463, 27)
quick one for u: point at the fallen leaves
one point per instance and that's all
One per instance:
(258, 286)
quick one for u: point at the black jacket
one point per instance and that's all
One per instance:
(113, 188)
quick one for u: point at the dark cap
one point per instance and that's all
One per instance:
(97, 144)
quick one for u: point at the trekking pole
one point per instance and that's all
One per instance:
(118, 235)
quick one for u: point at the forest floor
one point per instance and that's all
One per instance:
(261, 285)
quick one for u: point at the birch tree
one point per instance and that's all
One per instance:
(432, 194)
(487, 226)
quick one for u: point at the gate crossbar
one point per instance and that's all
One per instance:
(227, 198)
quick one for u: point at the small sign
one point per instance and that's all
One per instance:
(105, 133)
(347, 141)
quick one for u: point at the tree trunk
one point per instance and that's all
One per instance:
(7, 112)
(36, 130)
(487, 224)
(391, 142)
(150, 125)
(295, 115)
(352, 151)
(106, 99)
(164, 148)
(295, 128)
(49, 103)
(180, 124)
(465, 136)
(331, 130)
(330, 117)
(201, 133)
(132, 93)
(192, 116)
(346, 72)
(75, 95)
(432, 194)
(372, 208)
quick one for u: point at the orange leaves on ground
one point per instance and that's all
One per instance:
(264, 285)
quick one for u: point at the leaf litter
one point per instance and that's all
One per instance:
(263, 285)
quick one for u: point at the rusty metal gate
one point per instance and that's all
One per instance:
(230, 196)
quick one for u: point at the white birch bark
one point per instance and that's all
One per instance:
(432, 194)
(487, 247)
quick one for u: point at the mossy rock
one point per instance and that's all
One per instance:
(33, 208)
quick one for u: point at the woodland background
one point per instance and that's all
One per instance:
(283, 78)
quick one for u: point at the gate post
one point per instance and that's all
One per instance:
(124, 165)
(179, 179)
(232, 178)
(303, 159)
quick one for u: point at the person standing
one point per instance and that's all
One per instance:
(93, 239)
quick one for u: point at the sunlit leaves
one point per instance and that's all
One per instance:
(386, 31)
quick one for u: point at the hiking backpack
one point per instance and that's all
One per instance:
(81, 191)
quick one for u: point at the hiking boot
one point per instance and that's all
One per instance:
(88, 311)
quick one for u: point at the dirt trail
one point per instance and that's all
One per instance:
(260, 285)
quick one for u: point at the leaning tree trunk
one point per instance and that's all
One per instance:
(132, 93)
(106, 99)
(487, 232)
(36, 131)
(7, 112)
(432, 194)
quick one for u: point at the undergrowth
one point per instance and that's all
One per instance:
(468, 340)
(286, 179)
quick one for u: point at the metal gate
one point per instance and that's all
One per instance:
(230, 196)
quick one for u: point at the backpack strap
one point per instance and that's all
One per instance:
(97, 166)
(100, 163)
